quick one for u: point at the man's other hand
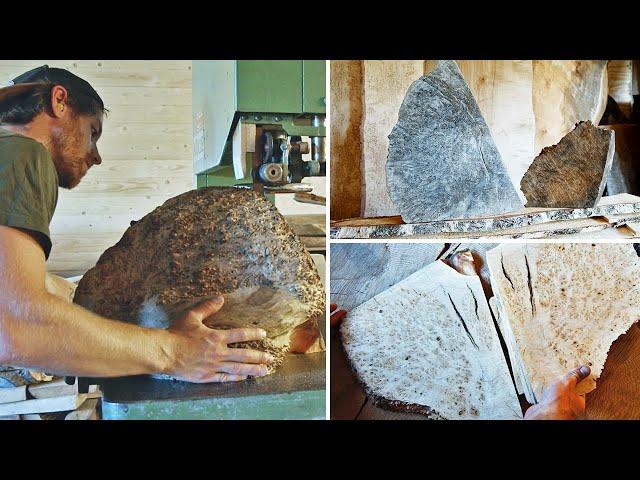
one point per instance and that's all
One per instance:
(336, 315)
(559, 399)
(202, 355)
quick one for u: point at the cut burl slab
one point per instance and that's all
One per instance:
(573, 173)
(428, 345)
(208, 242)
(562, 305)
(443, 162)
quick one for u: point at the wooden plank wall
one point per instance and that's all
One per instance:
(508, 93)
(345, 103)
(620, 75)
(145, 147)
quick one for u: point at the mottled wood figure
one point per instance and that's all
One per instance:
(207, 242)
(562, 305)
(443, 163)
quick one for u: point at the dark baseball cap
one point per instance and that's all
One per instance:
(54, 76)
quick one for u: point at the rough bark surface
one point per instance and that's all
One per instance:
(573, 173)
(530, 220)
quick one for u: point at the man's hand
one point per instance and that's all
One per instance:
(336, 316)
(559, 399)
(201, 354)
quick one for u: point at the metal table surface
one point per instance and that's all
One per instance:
(295, 391)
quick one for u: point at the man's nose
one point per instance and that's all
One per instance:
(97, 159)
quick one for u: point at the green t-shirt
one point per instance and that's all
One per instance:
(28, 186)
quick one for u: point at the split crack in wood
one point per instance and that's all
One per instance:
(464, 324)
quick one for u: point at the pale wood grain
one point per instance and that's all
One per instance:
(56, 388)
(20, 66)
(87, 411)
(564, 93)
(150, 114)
(385, 85)
(90, 204)
(620, 77)
(346, 103)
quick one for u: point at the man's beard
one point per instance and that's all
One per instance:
(69, 168)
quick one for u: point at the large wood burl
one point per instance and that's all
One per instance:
(204, 243)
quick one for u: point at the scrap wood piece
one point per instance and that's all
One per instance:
(9, 417)
(623, 219)
(367, 221)
(44, 405)
(443, 162)
(563, 305)
(13, 394)
(635, 227)
(428, 345)
(55, 388)
(573, 173)
(311, 198)
(31, 416)
(87, 411)
(43, 416)
(543, 230)
(60, 287)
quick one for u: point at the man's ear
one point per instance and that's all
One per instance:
(59, 98)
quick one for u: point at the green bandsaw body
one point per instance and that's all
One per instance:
(274, 92)
(295, 391)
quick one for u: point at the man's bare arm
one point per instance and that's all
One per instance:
(41, 331)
